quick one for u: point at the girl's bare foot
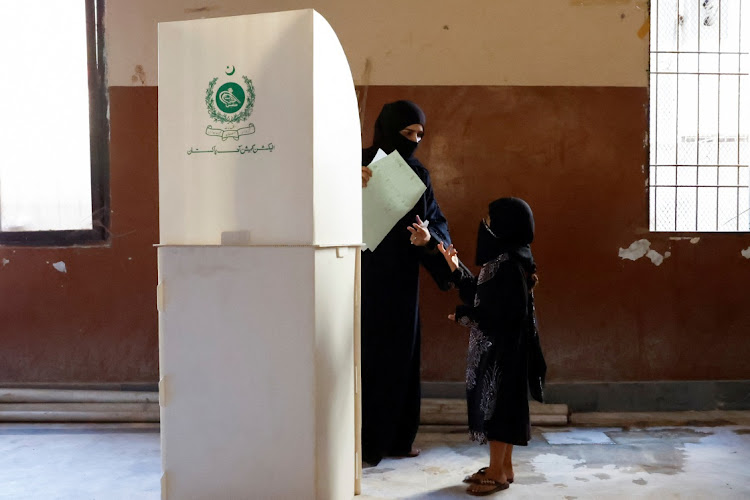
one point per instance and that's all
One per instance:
(509, 473)
(508, 463)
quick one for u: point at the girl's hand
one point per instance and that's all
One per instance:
(452, 317)
(450, 254)
(420, 235)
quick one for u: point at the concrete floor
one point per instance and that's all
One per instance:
(80, 461)
(43, 461)
(580, 463)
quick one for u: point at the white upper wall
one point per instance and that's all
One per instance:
(427, 42)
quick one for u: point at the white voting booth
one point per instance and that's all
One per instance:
(260, 232)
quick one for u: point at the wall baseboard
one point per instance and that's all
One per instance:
(89, 405)
(580, 397)
(84, 386)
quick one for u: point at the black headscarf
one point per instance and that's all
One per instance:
(511, 231)
(393, 118)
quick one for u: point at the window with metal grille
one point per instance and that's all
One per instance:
(699, 179)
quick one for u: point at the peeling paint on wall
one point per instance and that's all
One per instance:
(685, 238)
(746, 253)
(642, 248)
(656, 257)
(636, 250)
(60, 266)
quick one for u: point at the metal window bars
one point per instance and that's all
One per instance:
(699, 179)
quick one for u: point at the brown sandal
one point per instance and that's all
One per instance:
(498, 486)
(472, 480)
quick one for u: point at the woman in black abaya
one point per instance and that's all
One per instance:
(390, 297)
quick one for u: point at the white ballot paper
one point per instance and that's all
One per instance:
(391, 192)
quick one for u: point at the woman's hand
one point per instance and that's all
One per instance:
(420, 235)
(452, 317)
(366, 174)
(534, 281)
(450, 254)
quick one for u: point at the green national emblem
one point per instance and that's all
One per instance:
(230, 97)
(231, 103)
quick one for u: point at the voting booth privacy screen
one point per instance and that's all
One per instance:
(258, 125)
(260, 231)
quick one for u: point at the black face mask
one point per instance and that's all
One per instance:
(405, 147)
(488, 246)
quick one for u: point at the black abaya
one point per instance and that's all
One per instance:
(496, 309)
(499, 309)
(390, 325)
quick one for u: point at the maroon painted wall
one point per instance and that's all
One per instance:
(98, 321)
(575, 153)
(578, 156)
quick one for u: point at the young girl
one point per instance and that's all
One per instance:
(504, 354)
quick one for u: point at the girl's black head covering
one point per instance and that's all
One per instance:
(393, 118)
(511, 231)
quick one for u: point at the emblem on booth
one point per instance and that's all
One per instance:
(229, 102)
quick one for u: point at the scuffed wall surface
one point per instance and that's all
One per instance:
(574, 153)
(548, 103)
(676, 312)
(427, 42)
(88, 314)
